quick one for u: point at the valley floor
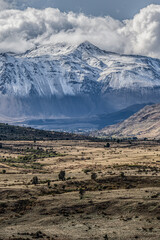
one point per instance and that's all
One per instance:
(122, 203)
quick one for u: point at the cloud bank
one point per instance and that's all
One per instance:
(23, 30)
(4, 5)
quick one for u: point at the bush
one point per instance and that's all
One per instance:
(81, 193)
(61, 175)
(86, 171)
(93, 176)
(122, 175)
(35, 180)
(3, 171)
(49, 183)
(107, 145)
(106, 237)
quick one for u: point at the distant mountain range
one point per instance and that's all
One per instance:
(63, 81)
(143, 124)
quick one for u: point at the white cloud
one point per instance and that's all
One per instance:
(143, 32)
(22, 30)
(4, 5)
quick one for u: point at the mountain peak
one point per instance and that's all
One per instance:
(98, 80)
(88, 46)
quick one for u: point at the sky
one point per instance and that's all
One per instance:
(123, 26)
(119, 9)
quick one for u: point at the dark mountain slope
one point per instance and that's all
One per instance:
(143, 124)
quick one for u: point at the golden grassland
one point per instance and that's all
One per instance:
(121, 202)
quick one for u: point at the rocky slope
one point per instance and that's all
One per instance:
(143, 124)
(62, 80)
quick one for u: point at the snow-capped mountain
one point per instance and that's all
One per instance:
(63, 80)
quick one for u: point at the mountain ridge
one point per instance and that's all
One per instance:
(143, 124)
(65, 80)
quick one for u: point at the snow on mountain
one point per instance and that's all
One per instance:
(78, 77)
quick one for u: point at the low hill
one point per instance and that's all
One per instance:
(143, 124)
(10, 132)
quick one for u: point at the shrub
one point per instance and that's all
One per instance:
(107, 145)
(35, 180)
(93, 176)
(86, 171)
(3, 171)
(81, 192)
(106, 237)
(61, 175)
(49, 183)
(122, 174)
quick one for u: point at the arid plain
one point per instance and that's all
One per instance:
(120, 201)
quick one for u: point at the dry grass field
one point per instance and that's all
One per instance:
(121, 201)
